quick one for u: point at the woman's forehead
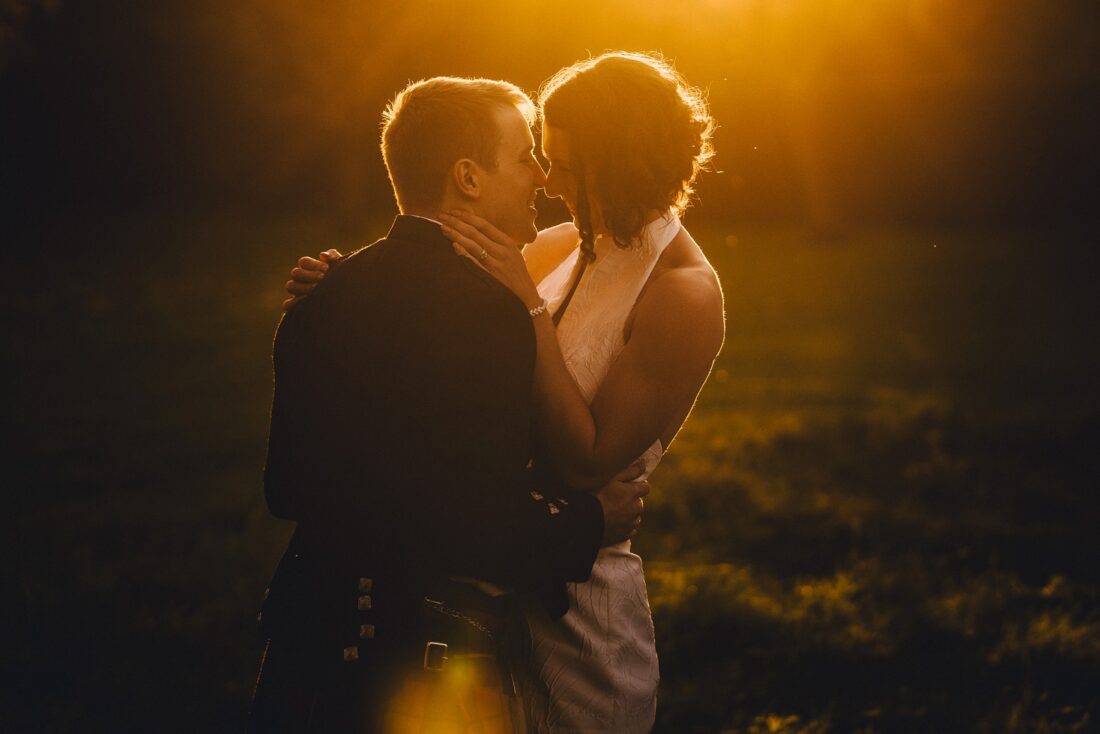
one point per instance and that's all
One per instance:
(555, 143)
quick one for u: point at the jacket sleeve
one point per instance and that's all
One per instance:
(286, 460)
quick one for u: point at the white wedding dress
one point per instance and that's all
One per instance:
(595, 669)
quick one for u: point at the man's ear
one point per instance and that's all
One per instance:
(466, 176)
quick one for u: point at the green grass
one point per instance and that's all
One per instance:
(879, 518)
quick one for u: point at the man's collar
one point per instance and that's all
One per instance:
(417, 228)
(421, 216)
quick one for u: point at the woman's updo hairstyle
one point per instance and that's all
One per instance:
(638, 131)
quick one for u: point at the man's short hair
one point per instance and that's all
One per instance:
(432, 123)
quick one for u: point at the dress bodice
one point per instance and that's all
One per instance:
(591, 332)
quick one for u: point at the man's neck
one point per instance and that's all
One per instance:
(431, 213)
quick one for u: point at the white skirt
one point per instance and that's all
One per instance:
(595, 669)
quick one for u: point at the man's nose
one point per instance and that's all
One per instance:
(540, 176)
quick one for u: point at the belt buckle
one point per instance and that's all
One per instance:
(435, 655)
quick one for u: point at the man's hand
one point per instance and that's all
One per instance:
(308, 274)
(622, 504)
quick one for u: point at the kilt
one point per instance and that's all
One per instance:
(398, 683)
(469, 695)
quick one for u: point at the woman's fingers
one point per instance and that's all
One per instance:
(457, 225)
(304, 275)
(502, 259)
(308, 263)
(484, 226)
(298, 288)
(465, 247)
(307, 274)
(474, 246)
(477, 242)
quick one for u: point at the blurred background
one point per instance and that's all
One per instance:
(881, 515)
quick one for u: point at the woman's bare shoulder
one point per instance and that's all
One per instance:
(552, 245)
(691, 293)
(565, 230)
(682, 303)
(684, 270)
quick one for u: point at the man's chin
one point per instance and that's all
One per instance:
(532, 234)
(526, 235)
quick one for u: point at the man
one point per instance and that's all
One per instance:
(400, 436)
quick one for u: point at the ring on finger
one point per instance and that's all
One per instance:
(483, 255)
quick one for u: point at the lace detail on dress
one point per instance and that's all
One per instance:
(596, 668)
(591, 331)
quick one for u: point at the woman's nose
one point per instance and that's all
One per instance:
(552, 185)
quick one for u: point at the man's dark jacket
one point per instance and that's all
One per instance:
(400, 441)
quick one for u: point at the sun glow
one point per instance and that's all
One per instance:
(819, 101)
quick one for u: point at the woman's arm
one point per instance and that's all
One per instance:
(677, 331)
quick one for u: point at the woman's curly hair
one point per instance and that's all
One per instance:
(638, 131)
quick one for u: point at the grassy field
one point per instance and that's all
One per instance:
(880, 518)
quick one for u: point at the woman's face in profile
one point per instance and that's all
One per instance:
(561, 181)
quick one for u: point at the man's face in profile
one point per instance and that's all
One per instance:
(508, 197)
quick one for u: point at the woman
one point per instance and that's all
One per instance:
(628, 323)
